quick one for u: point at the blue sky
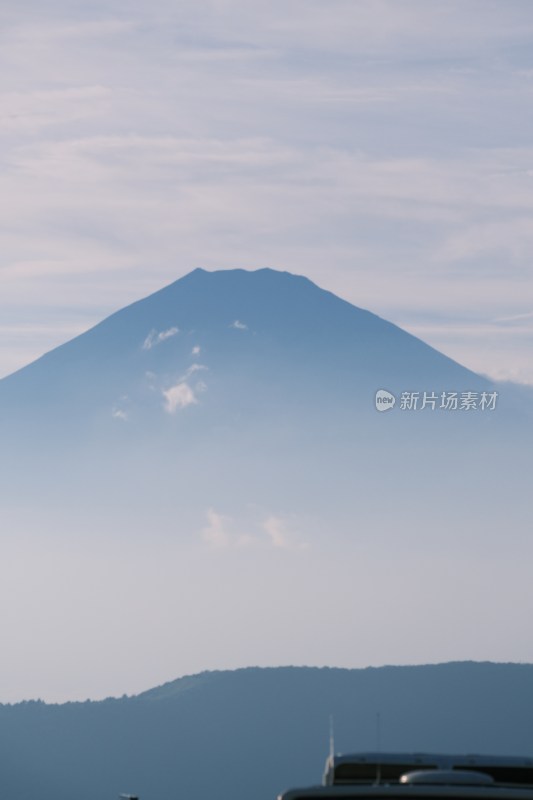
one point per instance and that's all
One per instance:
(382, 148)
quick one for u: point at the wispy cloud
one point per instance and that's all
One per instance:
(214, 533)
(225, 532)
(515, 317)
(240, 326)
(28, 112)
(154, 337)
(280, 535)
(53, 31)
(195, 368)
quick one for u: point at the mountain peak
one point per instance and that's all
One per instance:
(230, 339)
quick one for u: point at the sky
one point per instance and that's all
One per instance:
(380, 147)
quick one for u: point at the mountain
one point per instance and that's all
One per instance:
(236, 343)
(209, 461)
(258, 731)
(224, 366)
(243, 361)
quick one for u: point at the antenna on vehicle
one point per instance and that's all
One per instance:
(378, 747)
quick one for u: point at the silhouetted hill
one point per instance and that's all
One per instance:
(254, 732)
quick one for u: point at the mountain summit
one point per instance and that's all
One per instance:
(225, 343)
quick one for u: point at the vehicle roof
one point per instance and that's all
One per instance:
(399, 791)
(372, 767)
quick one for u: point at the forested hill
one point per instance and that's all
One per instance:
(252, 733)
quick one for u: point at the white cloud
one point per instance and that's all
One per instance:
(179, 396)
(220, 533)
(154, 337)
(249, 533)
(215, 533)
(120, 414)
(240, 326)
(280, 536)
(196, 350)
